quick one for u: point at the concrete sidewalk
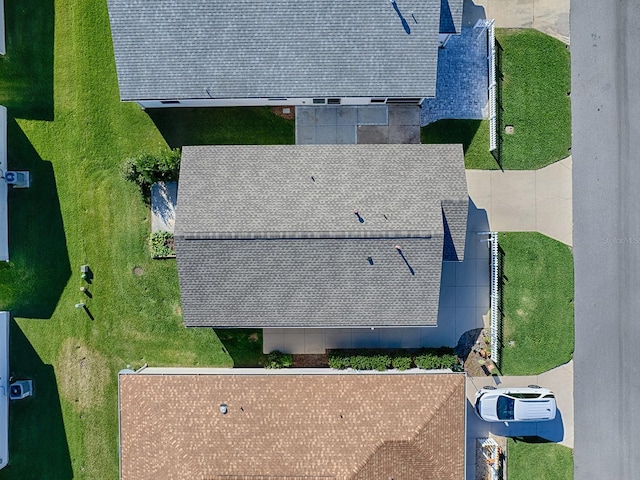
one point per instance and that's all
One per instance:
(560, 430)
(526, 200)
(548, 16)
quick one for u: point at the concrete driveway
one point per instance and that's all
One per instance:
(548, 16)
(527, 200)
(560, 430)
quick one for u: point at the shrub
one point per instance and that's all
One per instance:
(401, 362)
(277, 359)
(338, 362)
(161, 244)
(436, 358)
(147, 169)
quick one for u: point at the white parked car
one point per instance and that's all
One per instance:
(524, 404)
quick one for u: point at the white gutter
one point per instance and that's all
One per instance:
(4, 207)
(4, 389)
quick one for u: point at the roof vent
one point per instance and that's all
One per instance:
(223, 408)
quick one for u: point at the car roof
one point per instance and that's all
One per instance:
(534, 409)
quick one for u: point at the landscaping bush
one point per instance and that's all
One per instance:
(436, 359)
(277, 359)
(147, 168)
(402, 362)
(383, 359)
(161, 244)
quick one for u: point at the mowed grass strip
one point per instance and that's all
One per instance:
(539, 461)
(538, 328)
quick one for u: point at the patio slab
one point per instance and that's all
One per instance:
(364, 124)
(164, 197)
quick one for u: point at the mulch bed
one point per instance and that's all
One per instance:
(289, 116)
(310, 361)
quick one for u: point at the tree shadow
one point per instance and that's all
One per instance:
(39, 268)
(243, 345)
(222, 126)
(37, 439)
(26, 71)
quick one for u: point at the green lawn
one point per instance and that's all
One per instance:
(538, 303)
(68, 127)
(539, 461)
(535, 83)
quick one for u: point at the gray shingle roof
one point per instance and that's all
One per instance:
(180, 49)
(261, 243)
(451, 16)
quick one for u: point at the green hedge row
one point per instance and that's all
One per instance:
(277, 359)
(384, 359)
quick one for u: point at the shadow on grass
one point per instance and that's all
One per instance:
(31, 284)
(37, 438)
(472, 134)
(243, 345)
(222, 126)
(26, 71)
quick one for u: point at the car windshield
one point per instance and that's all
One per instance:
(505, 408)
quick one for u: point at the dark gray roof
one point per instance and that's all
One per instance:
(179, 49)
(451, 16)
(262, 243)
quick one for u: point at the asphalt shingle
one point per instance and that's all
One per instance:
(199, 49)
(267, 235)
(405, 427)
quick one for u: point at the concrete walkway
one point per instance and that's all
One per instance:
(548, 16)
(560, 430)
(526, 200)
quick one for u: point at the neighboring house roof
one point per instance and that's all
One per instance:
(267, 235)
(451, 16)
(199, 49)
(335, 426)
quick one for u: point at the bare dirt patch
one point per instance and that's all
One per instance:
(474, 349)
(254, 337)
(177, 309)
(83, 374)
(138, 271)
(282, 112)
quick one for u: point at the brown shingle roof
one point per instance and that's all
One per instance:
(285, 427)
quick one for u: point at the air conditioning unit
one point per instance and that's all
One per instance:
(18, 179)
(11, 178)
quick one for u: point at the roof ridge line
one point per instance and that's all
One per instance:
(318, 235)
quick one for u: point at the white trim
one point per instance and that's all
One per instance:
(3, 47)
(276, 371)
(4, 207)
(4, 389)
(255, 102)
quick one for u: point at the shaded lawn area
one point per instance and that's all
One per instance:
(542, 461)
(472, 134)
(535, 83)
(79, 210)
(538, 303)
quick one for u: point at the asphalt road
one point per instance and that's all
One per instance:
(605, 50)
